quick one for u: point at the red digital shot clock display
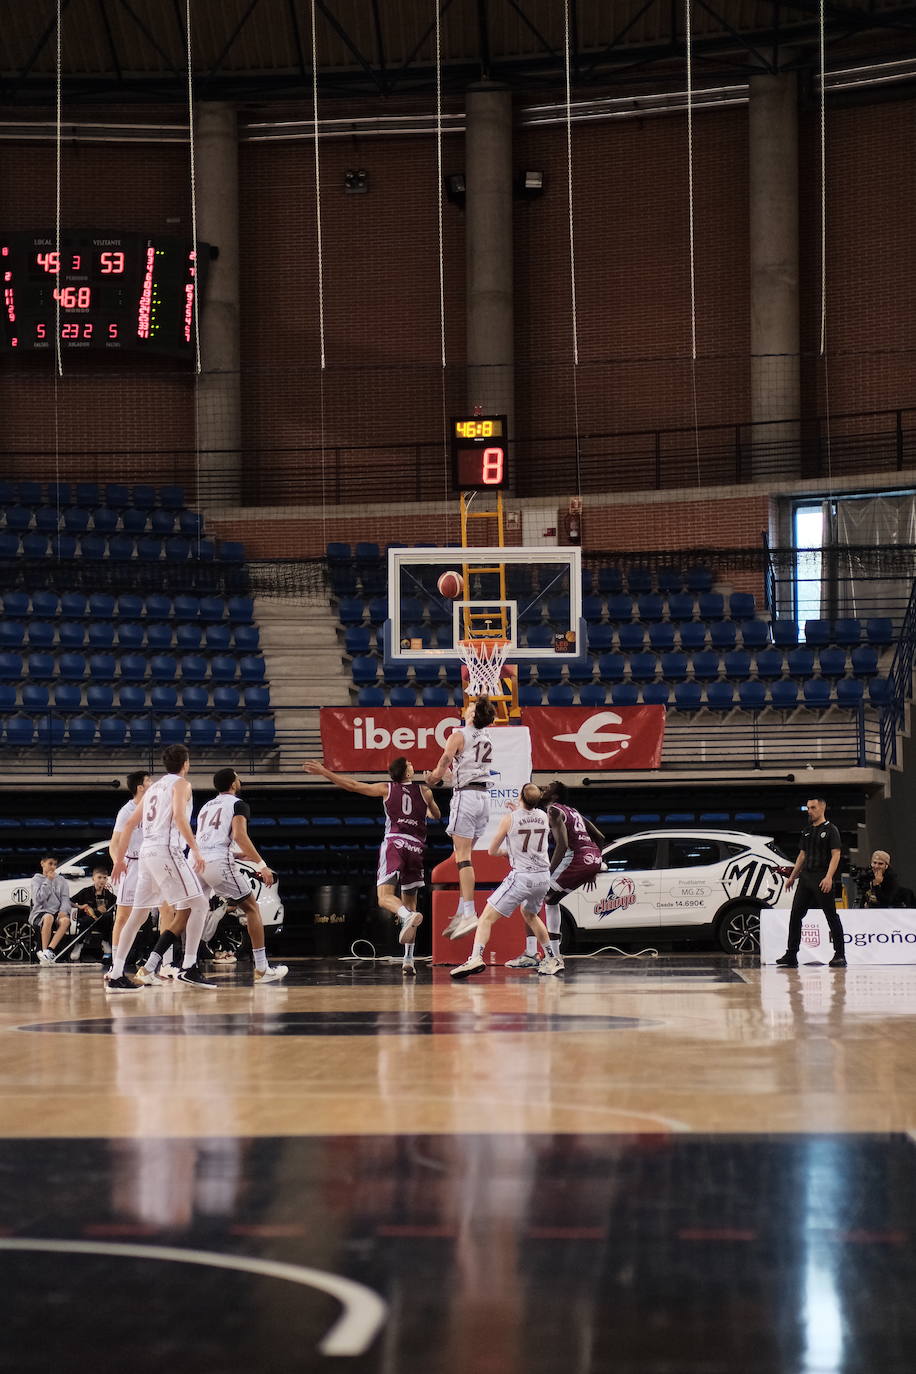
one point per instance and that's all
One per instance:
(479, 452)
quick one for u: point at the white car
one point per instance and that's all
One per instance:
(681, 884)
(16, 938)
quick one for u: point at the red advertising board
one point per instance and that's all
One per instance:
(574, 739)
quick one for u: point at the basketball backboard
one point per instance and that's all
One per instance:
(531, 597)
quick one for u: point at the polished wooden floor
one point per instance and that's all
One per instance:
(680, 1165)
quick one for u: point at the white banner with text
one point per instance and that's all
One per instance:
(872, 936)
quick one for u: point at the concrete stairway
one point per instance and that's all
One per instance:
(299, 639)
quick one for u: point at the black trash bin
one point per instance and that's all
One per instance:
(335, 919)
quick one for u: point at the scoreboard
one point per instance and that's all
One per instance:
(479, 451)
(106, 291)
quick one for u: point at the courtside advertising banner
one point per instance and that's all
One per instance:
(580, 739)
(872, 936)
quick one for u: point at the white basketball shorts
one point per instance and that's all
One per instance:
(224, 877)
(127, 883)
(165, 875)
(526, 890)
(469, 813)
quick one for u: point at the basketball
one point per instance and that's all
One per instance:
(451, 584)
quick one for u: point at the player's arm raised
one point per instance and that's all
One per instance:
(432, 808)
(243, 843)
(342, 780)
(117, 845)
(181, 794)
(502, 831)
(560, 837)
(453, 747)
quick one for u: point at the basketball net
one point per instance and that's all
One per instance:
(484, 660)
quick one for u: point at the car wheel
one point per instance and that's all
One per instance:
(738, 930)
(17, 941)
(568, 932)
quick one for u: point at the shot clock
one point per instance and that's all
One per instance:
(479, 452)
(107, 291)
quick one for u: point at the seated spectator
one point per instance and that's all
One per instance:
(883, 888)
(96, 903)
(51, 909)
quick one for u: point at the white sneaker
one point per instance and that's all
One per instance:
(408, 927)
(464, 927)
(451, 925)
(145, 978)
(45, 956)
(169, 972)
(468, 968)
(270, 975)
(550, 964)
(407, 969)
(524, 961)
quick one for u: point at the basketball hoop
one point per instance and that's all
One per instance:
(484, 660)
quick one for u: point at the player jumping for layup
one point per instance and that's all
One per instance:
(524, 831)
(469, 752)
(407, 805)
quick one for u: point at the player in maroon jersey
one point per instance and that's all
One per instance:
(407, 804)
(574, 863)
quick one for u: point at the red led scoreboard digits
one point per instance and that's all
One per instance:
(104, 290)
(479, 451)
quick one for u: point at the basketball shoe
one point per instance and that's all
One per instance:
(524, 961)
(550, 964)
(270, 975)
(195, 978)
(470, 967)
(464, 926)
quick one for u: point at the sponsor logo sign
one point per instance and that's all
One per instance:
(620, 895)
(367, 740)
(578, 739)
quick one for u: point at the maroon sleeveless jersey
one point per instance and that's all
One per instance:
(405, 811)
(580, 841)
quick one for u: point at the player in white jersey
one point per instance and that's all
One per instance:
(468, 753)
(137, 784)
(163, 871)
(524, 831)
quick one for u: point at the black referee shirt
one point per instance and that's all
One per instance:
(817, 842)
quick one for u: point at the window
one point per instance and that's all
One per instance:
(637, 856)
(692, 853)
(731, 850)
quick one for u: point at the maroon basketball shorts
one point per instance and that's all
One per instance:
(400, 860)
(575, 869)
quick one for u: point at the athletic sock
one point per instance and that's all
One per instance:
(408, 954)
(153, 962)
(531, 947)
(468, 909)
(404, 913)
(478, 950)
(553, 920)
(555, 948)
(260, 958)
(114, 953)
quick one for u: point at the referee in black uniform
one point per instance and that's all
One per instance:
(817, 863)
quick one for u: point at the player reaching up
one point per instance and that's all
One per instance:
(468, 753)
(406, 804)
(524, 831)
(575, 862)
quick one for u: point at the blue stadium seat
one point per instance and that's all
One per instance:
(619, 608)
(142, 731)
(693, 635)
(131, 697)
(610, 581)
(172, 730)
(63, 546)
(367, 551)
(337, 551)
(100, 634)
(539, 637)
(158, 607)
(10, 667)
(76, 519)
(801, 662)
(698, 578)
(163, 698)
(592, 694)
(681, 605)
(395, 674)
(20, 731)
(7, 492)
(241, 608)
(121, 547)
(378, 610)
(612, 667)
(12, 634)
(529, 694)
(102, 667)
(631, 637)
(130, 606)
(104, 520)
(144, 497)
(371, 696)
(92, 546)
(818, 632)
(755, 634)
(162, 667)
(864, 660)
(112, 731)
(558, 611)
(30, 493)
(59, 493)
(592, 608)
(117, 495)
(81, 731)
(650, 607)
(195, 698)
(350, 611)
(73, 605)
(232, 730)
(723, 634)
(879, 691)
(87, 494)
(738, 665)
(191, 525)
(247, 638)
(134, 521)
(18, 518)
(688, 696)
(7, 697)
(816, 692)
(35, 696)
(50, 730)
(231, 551)
(364, 669)
(705, 665)
(670, 580)
(16, 605)
(41, 667)
(425, 672)
(177, 549)
(223, 668)
(769, 663)
(600, 638)
(72, 667)
(35, 545)
(46, 519)
(656, 693)
(41, 634)
(44, 603)
(560, 694)
(550, 670)
(752, 695)
(205, 550)
(587, 581)
(357, 640)
(218, 636)
(171, 498)
(257, 698)
(720, 696)
(625, 694)
(158, 634)
(832, 662)
(785, 633)
(264, 731)
(661, 636)
(849, 692)
(203, 731)
(162, 522)
(9, 545)
(784, 693)
(436, 696)
(711, 605)
(98, 698)
(402, 696)
(643, 667)
(742, 605)
(101, 606)
(133, 666)
(639, 580)
(186, 607)
(149, 550)
(67, 695)
(224, 698)
(189, 636)
(880, 631)
(674, 666)
(847, 630)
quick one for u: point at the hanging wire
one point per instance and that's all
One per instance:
(442, 347)
(193, 176)
(823, 156)
(57, 158)
(574, 314)
(688, 38)
(320, 250)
